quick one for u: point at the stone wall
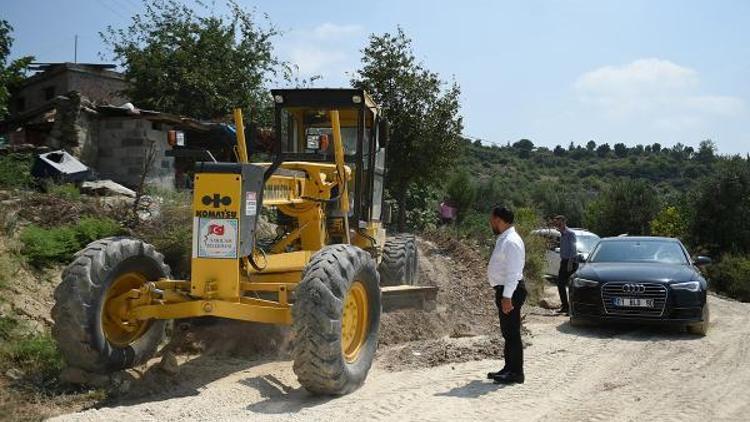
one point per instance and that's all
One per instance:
(100, 88)
(122, 148)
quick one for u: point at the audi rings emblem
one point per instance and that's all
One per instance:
(634, 288)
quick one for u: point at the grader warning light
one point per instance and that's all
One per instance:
(325, 274)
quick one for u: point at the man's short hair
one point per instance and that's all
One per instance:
(503, 213)
(560, 218)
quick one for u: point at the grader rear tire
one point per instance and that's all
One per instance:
(336, 317)
(86, 332)
(400, 261)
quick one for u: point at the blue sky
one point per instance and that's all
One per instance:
(552, 71)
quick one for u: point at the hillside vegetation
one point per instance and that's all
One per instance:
(696, 195)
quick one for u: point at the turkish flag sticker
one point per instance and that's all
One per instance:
(217, 229)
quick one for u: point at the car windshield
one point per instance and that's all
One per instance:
(586, 242)
(661, 251)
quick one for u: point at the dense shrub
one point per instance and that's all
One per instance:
(421, 208)
(731, 276)
(171, 232)
(462, 190)
(90, 229)
(15, 171)
(42, 247)
(45, 246)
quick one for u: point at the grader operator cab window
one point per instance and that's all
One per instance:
(309, 131)
(305, 134)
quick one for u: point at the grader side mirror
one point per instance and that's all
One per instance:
(383, 132)
(386, 216)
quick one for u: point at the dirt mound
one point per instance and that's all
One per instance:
(429, 353)
(408, 325)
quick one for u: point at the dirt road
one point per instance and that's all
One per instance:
(572, 374)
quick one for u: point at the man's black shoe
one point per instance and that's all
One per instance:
(510, 378)
(492, 375)
(563, 311)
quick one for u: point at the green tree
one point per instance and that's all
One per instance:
(621, 150)
(669, 222)
(603, 150)
(11, 73)
(706, 151)
(423, 112)
(556, 198)
(591, 146)
(183, 62)
(463, 191)
(626, 206)
(721, 210)
(524, 147)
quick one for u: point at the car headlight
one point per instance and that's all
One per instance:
(690, 286)
(582, 282)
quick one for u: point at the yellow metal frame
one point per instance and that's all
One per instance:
(228, 286)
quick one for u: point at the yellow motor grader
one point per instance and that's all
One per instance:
(322, 274)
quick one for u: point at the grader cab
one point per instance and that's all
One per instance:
(325, 274)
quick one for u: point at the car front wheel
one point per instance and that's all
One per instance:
(701, 328)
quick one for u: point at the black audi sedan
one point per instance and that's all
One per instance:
(640, 280)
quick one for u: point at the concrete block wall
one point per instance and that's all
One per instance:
(122, 148)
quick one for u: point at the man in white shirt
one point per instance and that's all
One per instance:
(505, 274)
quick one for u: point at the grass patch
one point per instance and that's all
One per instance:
(7, 327)
(35, 354)
(9, 267)
(45, 246)
(15, 171)
(67, 191)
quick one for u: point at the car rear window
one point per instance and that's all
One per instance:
(666, 252)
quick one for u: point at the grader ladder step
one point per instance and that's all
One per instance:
(409, 297)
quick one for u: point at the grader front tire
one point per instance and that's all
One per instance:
(336, 320)
(400, 261)
(87, 333)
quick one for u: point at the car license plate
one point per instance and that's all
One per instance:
(630, 302)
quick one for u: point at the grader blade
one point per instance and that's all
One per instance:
(409, 297)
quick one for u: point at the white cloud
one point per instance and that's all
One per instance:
(330, 30)
(328, 50)
(659, 90)
(312, 60)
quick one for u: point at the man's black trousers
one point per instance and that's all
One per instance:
(510, 325)
(562, 280)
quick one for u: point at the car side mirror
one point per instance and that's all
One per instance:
(383, 133)
(580, 259)
(702, 260)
